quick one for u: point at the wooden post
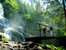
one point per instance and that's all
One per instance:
(64, 6)
(40, 33)
(40, 29)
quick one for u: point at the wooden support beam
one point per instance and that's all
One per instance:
(64, 6)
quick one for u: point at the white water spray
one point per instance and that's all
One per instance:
(9, 28)
(3, 21)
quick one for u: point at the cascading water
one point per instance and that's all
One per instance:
(14, 31)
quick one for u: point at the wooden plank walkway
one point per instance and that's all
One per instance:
(61, 39)
(44, 38)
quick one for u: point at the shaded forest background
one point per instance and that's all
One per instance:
(29, 14)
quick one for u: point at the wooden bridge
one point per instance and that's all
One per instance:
(61, 39)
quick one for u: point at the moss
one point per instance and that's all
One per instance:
(4, 37)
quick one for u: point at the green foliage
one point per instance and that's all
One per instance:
(27, 16)
(13, 3)
(64, 33)
(51, 47)
(60, 48)
(55, 48)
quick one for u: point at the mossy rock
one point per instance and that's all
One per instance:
(4, 37)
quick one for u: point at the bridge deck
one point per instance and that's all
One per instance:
(44, 38)
(61, 39)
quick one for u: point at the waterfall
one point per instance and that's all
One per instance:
(12, 30)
